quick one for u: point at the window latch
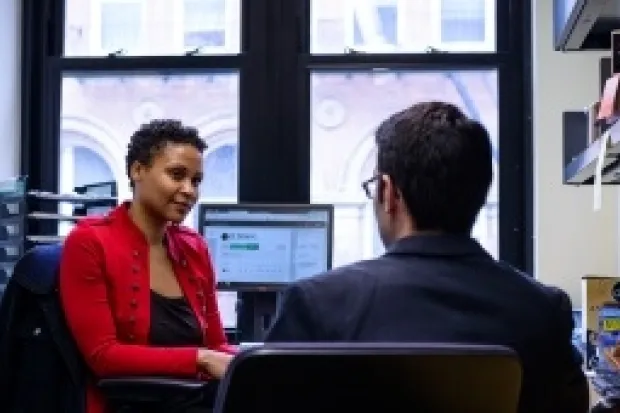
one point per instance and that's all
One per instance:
(194, 52)
(433, 50)
(350, 50)
(117, 53)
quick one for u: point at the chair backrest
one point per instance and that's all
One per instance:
(427, 378)
(40, 362)
(37, 270)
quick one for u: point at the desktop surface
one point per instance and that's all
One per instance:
(267, 245)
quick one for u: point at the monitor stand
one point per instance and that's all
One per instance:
(256, 312)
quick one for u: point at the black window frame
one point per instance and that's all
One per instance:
(274, 102)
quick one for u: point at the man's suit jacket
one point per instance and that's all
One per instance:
(444, 289)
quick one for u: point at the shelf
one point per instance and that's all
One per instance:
(585, 24)
(581, 170)
(74, 198)
(45, 239)
(52, 216)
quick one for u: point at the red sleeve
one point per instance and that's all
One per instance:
(216, 338)
(84, 299)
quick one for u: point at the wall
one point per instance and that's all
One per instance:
(9, 92)
(571, 239)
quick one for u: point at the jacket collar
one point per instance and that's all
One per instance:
(437, 245)
(120, 216)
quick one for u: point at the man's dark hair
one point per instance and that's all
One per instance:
(441, 161)
(151, 137)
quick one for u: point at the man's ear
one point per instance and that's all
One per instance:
(389, 193)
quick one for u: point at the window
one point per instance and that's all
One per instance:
(387, 22)
(402, 26)
(346, 109)
(369, 26)
(466, 25)
(220, 171)
(275, 105)
(462, 21)
(375, 23)
(83, 161)
(207, 25)
(328, 26)
(148, 28)
(89, 167)
(120, 25)
(118, 104)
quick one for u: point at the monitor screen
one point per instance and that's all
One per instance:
(267, 244)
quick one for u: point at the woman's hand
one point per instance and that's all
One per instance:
(213, 362)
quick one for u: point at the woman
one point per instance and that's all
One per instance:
(137, 288)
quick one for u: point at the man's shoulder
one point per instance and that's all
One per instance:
(350, 279)
(549, 293)
(544, 308)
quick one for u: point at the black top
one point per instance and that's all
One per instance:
(445, 289)
(173, 323)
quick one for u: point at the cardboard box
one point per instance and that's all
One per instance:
(600, 302)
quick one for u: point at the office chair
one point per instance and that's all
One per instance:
(429, 378)
(156, 394)
(32, 304)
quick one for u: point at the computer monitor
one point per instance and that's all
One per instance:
(261, 246)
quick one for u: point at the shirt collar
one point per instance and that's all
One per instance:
(437, 245)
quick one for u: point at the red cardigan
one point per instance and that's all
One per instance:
(105, 293)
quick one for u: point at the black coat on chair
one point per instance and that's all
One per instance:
(41, 370)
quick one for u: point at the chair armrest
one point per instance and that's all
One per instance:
(152, 389)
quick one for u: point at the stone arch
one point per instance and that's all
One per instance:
(353, 170)
(219, 131)
(98, 131)
(99, 138)
(215, 130)
(89, 166)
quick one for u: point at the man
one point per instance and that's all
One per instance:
(435, 283)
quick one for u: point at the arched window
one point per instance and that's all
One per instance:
(368, 168)
(373, 238)
(220, 173)
(79, 165)
(89, 167)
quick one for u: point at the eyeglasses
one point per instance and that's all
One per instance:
(369, 186)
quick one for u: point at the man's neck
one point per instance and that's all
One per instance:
(406, 227)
